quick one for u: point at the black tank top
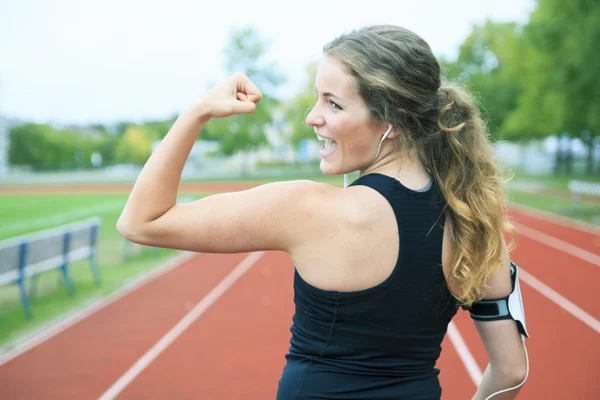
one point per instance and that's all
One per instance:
(381, 342)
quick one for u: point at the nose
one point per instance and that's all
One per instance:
(314, 118)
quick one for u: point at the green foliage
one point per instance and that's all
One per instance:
(539, 79)
(486, 64)
(296, 110)
(44, 148)
(561, 68)
(246, 52)
(134, 147)
(108, 149)
(158, 129)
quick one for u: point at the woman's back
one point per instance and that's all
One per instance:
(380, 341)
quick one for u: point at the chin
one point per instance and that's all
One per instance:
(332, 170)
(328, 169)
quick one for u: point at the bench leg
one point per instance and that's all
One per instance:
(24, 298)
(95, 271)
(21, 279)
(65, 272)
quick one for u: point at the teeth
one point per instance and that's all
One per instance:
(330, 145)
(320, 137)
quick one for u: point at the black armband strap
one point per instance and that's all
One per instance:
(509, 307)
(490, 310)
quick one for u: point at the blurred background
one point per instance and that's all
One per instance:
(88, 90)
(96, 86)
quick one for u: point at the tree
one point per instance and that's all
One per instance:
(562, 91)
(296, 110)
(21, 151)
(159, 129)
(43, 148)
(134, 146)
(246, 52)
(487, 63)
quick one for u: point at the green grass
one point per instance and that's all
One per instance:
(24, 213)
(589, 213)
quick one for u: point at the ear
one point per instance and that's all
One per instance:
(392, 134)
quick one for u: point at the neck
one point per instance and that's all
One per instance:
(405, 166)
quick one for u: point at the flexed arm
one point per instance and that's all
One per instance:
(273, 216)
(155, 190)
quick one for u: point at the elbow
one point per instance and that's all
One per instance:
(516, 377)
(519, 374)
(130, 230)
(124, 228)
(512, 375)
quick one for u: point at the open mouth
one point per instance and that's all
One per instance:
(328, 147)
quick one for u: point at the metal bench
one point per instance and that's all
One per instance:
(579, 188)
(29, 255)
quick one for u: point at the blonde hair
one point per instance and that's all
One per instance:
(399, 78)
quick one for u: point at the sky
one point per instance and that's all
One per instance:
(83, 61)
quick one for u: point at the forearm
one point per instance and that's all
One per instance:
(494, 381)
(155, 190)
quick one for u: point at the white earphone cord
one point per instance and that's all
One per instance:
(526, 374)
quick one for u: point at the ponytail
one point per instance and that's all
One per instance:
(461, 159)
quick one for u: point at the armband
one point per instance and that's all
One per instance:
(509, 307)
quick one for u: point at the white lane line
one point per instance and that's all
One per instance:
(80, 315)
(464, 354)
(558, 244)
(556, 219)
(181, 326)
(559, 300)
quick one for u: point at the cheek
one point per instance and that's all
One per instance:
(355, 136)
(346, 129)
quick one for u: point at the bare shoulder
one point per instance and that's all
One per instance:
(351, 205)
(318, 205)
(312, 211)
(305, 197)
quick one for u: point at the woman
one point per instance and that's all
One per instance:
(381, 266)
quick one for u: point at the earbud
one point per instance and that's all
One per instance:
(389, 129)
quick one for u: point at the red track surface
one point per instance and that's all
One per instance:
(236, 348)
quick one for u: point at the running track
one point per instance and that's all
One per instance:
(209, 326)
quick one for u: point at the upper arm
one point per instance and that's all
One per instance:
(274, 216)
(502, 339)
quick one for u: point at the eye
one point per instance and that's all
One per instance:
(334, 105)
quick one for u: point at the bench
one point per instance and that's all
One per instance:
(579, 188)
(31, 254)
